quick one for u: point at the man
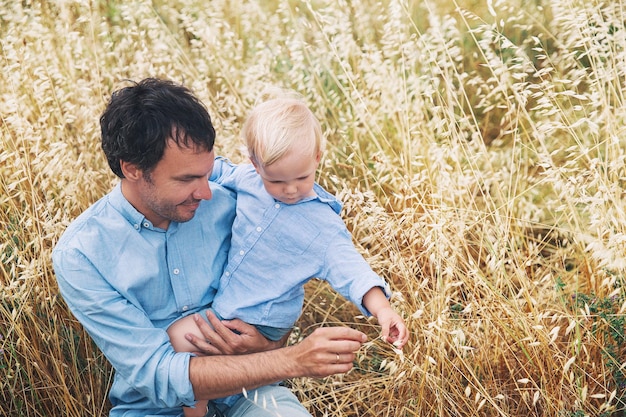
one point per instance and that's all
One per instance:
(152, 250)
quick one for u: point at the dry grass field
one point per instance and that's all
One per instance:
(479, 147)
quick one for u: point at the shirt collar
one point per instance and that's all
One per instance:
(326, 197)
(130, 213)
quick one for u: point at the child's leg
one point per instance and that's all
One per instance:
(269, 401)
(179, 329)
(177, 332)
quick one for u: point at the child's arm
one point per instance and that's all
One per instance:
(393, 328)
(222, 167)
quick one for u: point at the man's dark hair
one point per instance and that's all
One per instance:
(139, 120)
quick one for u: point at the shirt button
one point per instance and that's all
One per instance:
(136, 227)
(258, 229)
(277, 205)
(185, 308)
(146, 225)
(227, 273)
(241, 252)
(176, 271)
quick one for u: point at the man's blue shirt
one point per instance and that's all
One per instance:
(277, 247)
(127, 281)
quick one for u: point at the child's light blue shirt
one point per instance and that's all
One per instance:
(277, 247)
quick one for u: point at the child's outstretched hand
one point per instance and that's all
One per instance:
(394, 330)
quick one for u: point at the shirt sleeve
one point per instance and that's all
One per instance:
(223, 170)
(348, 272)
(140, 352)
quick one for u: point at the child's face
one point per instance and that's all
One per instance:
(291, 178)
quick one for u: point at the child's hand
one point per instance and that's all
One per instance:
(393, 328)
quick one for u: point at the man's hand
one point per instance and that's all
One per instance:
(327, 351)
(228, 337)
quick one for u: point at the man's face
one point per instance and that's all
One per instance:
(172, 191)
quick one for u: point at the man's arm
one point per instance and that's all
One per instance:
(327, 351)
(140, 353)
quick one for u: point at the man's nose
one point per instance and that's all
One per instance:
(203, 192)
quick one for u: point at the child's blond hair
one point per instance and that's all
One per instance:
(280, 124)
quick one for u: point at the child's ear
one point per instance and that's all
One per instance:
(255, 164)
(131, 171)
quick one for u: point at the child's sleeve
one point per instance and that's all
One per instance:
(222, 170)
(349, 273)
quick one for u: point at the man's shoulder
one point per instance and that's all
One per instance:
(88, 219)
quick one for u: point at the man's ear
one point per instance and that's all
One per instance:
(131, 171)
